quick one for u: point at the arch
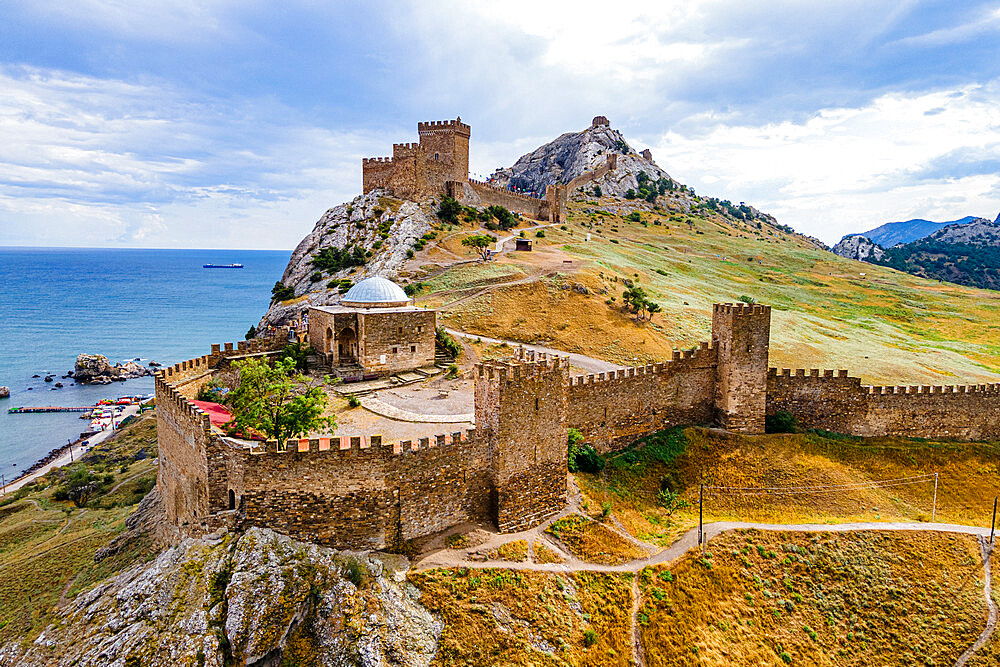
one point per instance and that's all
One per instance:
(232, 499)
(347, 345)
(329, 339)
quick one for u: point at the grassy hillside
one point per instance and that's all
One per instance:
(47, 545)
(829, 312)
(682, 459)
(816, 599)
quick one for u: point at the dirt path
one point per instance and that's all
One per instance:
(582, 362)
(638, 654)
(688, 541)
(991, 620)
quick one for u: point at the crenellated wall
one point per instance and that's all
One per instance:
(834, 401)
(614, 409)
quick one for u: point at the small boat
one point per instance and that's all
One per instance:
(222, 266)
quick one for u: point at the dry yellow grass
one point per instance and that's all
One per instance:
(515, 551)
(593, 542)
(504, 617)
(968, 483)
(544, 554)
(816, 599)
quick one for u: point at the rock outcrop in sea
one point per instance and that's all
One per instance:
(4, 392)
(258, 598)
(96, 369)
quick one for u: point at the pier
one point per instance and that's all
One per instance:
(50, 408)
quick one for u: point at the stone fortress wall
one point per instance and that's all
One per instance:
(439, 165)
(362, 492)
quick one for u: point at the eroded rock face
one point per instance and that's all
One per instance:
(858, 247)
(4, 392)
(360, 222)
(572, 154)
(257, 599)
(96, 369)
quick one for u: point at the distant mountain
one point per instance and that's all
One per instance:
(964, 253)
(891, 233)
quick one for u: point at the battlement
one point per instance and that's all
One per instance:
(704, 351)
(438, 125)
(741, 309)
(600, 120)
(505, 191)
(356, 443)
(802, 372)
(926, 390)
(376, 160)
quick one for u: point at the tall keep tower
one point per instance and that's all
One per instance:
(742, 334)
(447, 141)
(521, 411)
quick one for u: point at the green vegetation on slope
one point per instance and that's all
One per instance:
(47, 546)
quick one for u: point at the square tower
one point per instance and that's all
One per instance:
(742, 334)
(521, 411)
(447, 142)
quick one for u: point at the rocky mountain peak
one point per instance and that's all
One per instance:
(573, 154)
(859, 247)
(978, 232)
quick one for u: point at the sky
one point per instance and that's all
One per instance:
(236, 124)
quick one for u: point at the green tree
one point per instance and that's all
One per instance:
(481, 243)
(276, 400)
(282, 292)
(449, 210)
(251, 332)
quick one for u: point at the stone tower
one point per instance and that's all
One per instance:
(521, 411)
(447, 141)
(742, 334)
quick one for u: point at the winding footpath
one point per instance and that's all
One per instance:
(689, 541)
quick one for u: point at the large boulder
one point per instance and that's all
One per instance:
(858, 247)
(96, 369)
(4, 392)
(256, 599)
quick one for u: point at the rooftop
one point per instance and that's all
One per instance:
(375, 292)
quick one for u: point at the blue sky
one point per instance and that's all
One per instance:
(183, 123)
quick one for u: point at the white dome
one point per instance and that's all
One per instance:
(375, 292)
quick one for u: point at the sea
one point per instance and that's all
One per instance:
(151, 305)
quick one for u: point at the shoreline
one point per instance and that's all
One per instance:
(61, 456)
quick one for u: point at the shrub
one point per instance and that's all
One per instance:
(634, 217)
(282, 292)
(540, 234)
(332, 259)
(449, 210)
(413, 288)
(597, 191)
(452, 370)
(670, 501)
(781, 421)
(630, 194)
(589, 637)
(749, 300)
(446, 342)
(409, 253)
(299, 353)
(581, 457)
(251, 332)
(353, 401)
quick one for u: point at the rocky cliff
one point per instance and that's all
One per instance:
(384, 227)
(573, 154)
(96, 369)
(858, 247)
(257, 599)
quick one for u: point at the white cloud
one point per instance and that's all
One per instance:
(845, 170)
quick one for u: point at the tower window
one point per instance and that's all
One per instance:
(413, 348)
(395, 350)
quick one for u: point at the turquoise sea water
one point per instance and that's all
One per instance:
(56, 303)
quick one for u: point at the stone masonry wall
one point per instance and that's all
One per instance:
(833, 401)
(615, 409)
(394, 334)
(742, 334)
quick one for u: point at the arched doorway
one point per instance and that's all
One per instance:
(232, 499)
(329, 340)
(347, 346)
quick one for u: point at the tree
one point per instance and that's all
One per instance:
(749, 300)
(636, 300)
(481, 243)
(251, 332)
(449, 210)
(276, 400)
(282, 292)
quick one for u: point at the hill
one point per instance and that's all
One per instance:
(891, 233)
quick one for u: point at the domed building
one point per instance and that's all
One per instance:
(375, 330)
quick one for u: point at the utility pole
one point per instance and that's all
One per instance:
(701, 513)
(934, 508)
(993, 526)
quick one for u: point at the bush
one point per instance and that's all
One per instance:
(353, 401)
(251, 332)
(589, 637)
(299, 353)
(781, 421)
(449, 210)
(282, 292)
(749, 300)
(581, 457)
(412, 289)
(447, 343)
(597, 191)
(409, 253)
(332, 259)
(634, 217)
(540, 234)
(452, 370)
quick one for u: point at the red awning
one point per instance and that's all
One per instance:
(218, 414)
